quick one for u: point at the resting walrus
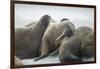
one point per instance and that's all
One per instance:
(70, 48)
(88, 47)
(49, 42)
(28, 39)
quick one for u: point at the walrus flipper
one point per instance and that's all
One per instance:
(41, 57)
(54, 53)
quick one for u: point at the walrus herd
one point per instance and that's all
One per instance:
(39, 39)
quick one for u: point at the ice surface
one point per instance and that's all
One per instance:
(47, 60)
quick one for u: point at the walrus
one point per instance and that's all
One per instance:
(28, 39)
(88, 47)
(49, 42)
(18, 62)
(70, 48)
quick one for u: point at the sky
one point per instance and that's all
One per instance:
(25, 14)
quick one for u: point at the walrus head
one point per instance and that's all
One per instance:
(45, 20)
(69, 29)
(66, 32)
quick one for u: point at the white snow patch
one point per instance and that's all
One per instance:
(47, 60)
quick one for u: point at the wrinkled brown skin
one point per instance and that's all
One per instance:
(49, 42)
(70, 48)
(28, 39)
(18, 62)
(88, 46)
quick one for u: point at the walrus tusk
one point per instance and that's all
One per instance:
(52, 21)
(61, 37)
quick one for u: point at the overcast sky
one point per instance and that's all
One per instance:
(25, 13)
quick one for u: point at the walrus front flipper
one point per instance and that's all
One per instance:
(54, 53)
(41, 57)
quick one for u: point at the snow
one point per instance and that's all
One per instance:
(47, 60)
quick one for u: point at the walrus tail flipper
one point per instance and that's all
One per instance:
(40, 57)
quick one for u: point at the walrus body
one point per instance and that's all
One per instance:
(49, 42)
(70, 49)
(28, 39)
(88, 47)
